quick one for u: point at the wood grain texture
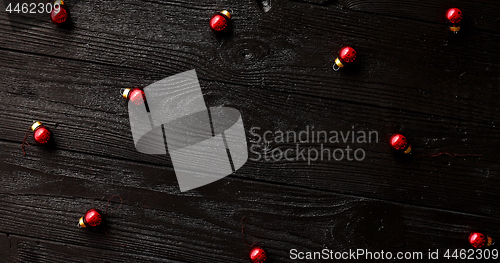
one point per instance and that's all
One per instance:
(274, 66)
(190, 228)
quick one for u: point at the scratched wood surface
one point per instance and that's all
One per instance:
(274, 66)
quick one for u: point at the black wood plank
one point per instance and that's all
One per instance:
(207, 227)
(145, 224)
(100, 133)
(478, 15)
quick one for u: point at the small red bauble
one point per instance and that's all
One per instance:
(220, 21)
(454, 16)
(40, 133)
(59, 15)
(479, 240)
(400, 143)
(135, 95)
(346, 55)
(92, 219)
(257, 255)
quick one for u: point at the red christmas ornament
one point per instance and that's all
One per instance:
(220, 21)
(40, 133)
(135, 95)
(92, 219)
(400, 143)
(454, 16)
(59, 14)
(257, 255)
(479, 240)
(346, 55)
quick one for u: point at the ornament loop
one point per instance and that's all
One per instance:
(243, 225)
(121, 203)
(336, 67)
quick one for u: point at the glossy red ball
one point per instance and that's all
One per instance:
(219, 22)
(454, 16)
(93, 218)
(59, 17)
(347, 54)
(477, 240)
(257, 255)
(136, 96)
(398, 142)
(41, 135)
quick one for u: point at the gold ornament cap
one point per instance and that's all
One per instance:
(36, 125)
(454, 28)
(408, 150)
(339, 63)
(491, 242)
(126, 92)
(226, 13)
(81, 223)
(60, 2)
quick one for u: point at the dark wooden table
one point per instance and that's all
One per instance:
(275, 66)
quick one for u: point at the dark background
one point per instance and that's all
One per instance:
(412, 76)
